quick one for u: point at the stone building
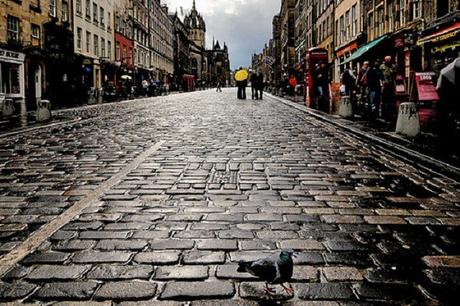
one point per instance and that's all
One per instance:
(181, 47)
(161, 41)
(325, 26)
(124, 44)
(140, 19)
(196, 27)
(93, 28)
(276, 47)
(34, 35)
(287, 35)
(206, 65)
(348, 31)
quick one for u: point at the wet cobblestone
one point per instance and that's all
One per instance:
(233, 180)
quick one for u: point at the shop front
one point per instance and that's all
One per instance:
(12, 74)
(12, 82)
(441, 44)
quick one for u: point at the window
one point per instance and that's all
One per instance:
(402, 13)
(95, 20)
(10, 78)
(109, 22)
(88, 41)
(117, 52)
(96, 45)
(101, 16)
(53, 8)
(13, 28)
(354, 20)
(88, 9)
(109, 49)
(348, 24)
(78, 7)
(35, 31)
(416, 9)
(79, 33)
(102, 47)
(65, 11)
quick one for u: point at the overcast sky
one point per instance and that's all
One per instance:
(245, 25)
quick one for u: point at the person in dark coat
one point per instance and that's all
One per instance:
(261, 85)
(374, 79)
(254, 79)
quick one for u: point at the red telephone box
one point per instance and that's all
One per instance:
(313, 57)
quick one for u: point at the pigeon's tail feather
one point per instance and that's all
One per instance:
(242, 266)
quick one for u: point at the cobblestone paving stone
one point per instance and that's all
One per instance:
(233, 180)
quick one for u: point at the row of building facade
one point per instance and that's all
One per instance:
(66, 50)
(420, 35)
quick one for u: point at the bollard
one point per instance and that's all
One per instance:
(7, 107)
(43, 111)
(345, 109)
(408, 123)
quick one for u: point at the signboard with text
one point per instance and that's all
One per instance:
(426, 88)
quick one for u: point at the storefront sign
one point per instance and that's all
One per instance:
(6, 55)
(426, 89)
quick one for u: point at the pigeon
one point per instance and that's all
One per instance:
(275, 269)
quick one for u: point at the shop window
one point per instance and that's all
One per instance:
(13, 28)
(9, 76)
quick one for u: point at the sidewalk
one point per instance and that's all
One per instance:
(422, 150)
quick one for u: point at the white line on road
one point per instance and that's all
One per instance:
(35, 240)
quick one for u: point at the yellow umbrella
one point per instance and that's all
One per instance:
(241, 75)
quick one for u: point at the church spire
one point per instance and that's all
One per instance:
(194, 6)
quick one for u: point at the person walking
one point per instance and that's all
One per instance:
(254, 79)
(219, 86)
(241, 79)
(374, 78)
(292, 84)
(261, 84)
(361, 84)
(348, 81)
(388, 71)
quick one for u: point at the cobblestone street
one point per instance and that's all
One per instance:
(157, 200)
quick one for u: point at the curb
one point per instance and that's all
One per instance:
(414, 158)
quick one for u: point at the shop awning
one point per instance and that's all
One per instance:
(442, 34)
(364, 49)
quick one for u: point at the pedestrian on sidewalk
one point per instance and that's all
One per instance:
(219, 86)
(261, 84)
(361, 84)
(348, 81)
(241, 79)
(292, 85)
(374, 79)
(388, 71)
(254, 79)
